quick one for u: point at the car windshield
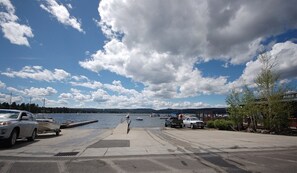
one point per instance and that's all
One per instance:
(194, 118)
(9, 114)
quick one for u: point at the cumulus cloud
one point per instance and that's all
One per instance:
(61, 13)
(38, 73)
(84, 81)
(158, 43)
(16, 33)
(22, 95)
(65, 96)
(286, 59)
(33, 92)
(283, 55)
(164, 75)
(89, 84)
(79, 96)
(208, 29)
(48, 91)
(118, 88)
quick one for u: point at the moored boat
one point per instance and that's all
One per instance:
(139, 119)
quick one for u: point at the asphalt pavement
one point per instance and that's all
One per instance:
(151, 150)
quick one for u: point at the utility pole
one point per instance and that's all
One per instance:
(10, 100)
(30, 104)
(43, 105)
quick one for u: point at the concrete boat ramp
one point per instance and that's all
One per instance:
(151, 150)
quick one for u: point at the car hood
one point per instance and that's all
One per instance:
(7, 119)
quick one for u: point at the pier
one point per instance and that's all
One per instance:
(75, 124)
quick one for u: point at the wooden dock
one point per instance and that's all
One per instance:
(75, 124)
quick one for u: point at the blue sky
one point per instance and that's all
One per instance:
(143, 54)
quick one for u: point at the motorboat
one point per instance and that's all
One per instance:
(139, 119)
(46, 125)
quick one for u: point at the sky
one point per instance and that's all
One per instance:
(141, 54)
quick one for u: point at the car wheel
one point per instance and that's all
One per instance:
(165, 125)
(192, 126)
(57, 132)
(12, 138)
(33, 136)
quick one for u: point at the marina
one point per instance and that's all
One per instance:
(108, 120)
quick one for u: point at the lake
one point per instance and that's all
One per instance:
(108, 120)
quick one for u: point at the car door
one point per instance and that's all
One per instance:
(186, 122)
(31, 123)
(23, 124)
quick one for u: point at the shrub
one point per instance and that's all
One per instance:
(210, 124)
(222, 124)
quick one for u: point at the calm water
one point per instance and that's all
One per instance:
(109, 120)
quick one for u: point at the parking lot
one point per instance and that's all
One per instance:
(151, 150)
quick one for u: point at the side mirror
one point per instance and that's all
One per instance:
(25, 118)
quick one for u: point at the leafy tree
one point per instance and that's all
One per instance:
(250, 109)
(268, 107)
(234, 102)
(273, 109)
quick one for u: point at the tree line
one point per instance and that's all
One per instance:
(35, 108)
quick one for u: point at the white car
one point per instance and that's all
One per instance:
(193, 122)
(16, 124)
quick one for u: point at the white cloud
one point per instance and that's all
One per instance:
(84, 81)
(286, 58)
(160, 46)
(16, 33)
(10, 98)
(60, 12)
(118, 88)
(36, 94)
(38, 73)
(48, 91)
(2, 85)
(164, 75)
(207, 29)
(15, 90)
(101, 96)
(89, 84)
(80, 78)
(78, 96)
(66, 96)
(283, 55)
(33, 92)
